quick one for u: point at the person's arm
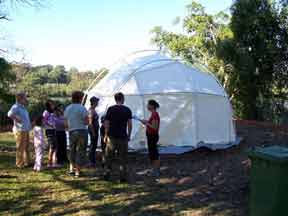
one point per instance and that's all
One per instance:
(129, 125)
(12, 115)
(66, 124)
(46, 116)
(107, 127)
(90, 123)
(154, 123)
(85, 115)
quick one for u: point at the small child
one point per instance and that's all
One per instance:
(102, 135)
(39, 144)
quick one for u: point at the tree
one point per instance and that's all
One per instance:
(199, 43)
(58, 75)
(248, 52)
(6, 4)
(257, 52)
(7, 79)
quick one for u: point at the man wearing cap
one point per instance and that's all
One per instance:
(22, 125)
(93, 130)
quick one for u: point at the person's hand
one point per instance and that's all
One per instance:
(93, 134)
(144, 121)
(18, 119)
(106, 138)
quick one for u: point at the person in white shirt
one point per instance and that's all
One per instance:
(76, 122)
(39, 144)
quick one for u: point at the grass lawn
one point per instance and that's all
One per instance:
(186, 187)
(7, 140)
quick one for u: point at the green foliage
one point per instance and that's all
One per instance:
(7, 79)
(248, 52)
(258, 53)
(46, 81)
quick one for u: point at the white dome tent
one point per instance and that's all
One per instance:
(195, 109)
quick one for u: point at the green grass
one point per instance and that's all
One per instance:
(7, 140)
(52, 192)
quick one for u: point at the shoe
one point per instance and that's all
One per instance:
(71, 173)
(155, 173)
(92, 165)
(56, 166)
(107, 176)
(123, 180)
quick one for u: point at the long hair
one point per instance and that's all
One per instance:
(154, 103)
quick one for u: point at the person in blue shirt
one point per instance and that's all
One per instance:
(22, 126)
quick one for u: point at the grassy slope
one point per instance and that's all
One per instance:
(52, 192)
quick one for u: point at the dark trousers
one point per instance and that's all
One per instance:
(121, 146)
(62, 147)
(93, 146)
(152, 141)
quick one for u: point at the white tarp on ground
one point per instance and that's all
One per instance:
(195, 110)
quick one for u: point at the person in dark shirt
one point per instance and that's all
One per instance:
(118, 128)
(102, 139)
(93, 129)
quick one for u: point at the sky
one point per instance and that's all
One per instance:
(90, 34)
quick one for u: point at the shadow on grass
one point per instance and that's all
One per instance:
(196, 183)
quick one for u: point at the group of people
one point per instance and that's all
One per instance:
(115, 134)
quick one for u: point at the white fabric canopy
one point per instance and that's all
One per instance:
(195, 110)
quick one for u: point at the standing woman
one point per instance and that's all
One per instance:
(93, 130)
(76, 121)
(50, 131)
(152, 133)
(61, 136)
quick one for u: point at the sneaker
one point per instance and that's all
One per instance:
(155, 173)
(107, 176)
(77, 174)
(71, 173)
(123, 180)
(56, 166)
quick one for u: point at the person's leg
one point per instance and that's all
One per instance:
(41, 155)
(152, 141)
(26, 154)
(72, 155)
(64, 141)
(81, 146)
(54, 149)
(123, 153)
(60, 146)
(50, 143)
(37, 166)
(19, 149)
(109, 151)
(92, 149)
(103, 147)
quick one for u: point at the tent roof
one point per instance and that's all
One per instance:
(154, 73)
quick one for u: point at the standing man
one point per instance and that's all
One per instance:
(118, 128)
(21, 128)
(76, 121)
